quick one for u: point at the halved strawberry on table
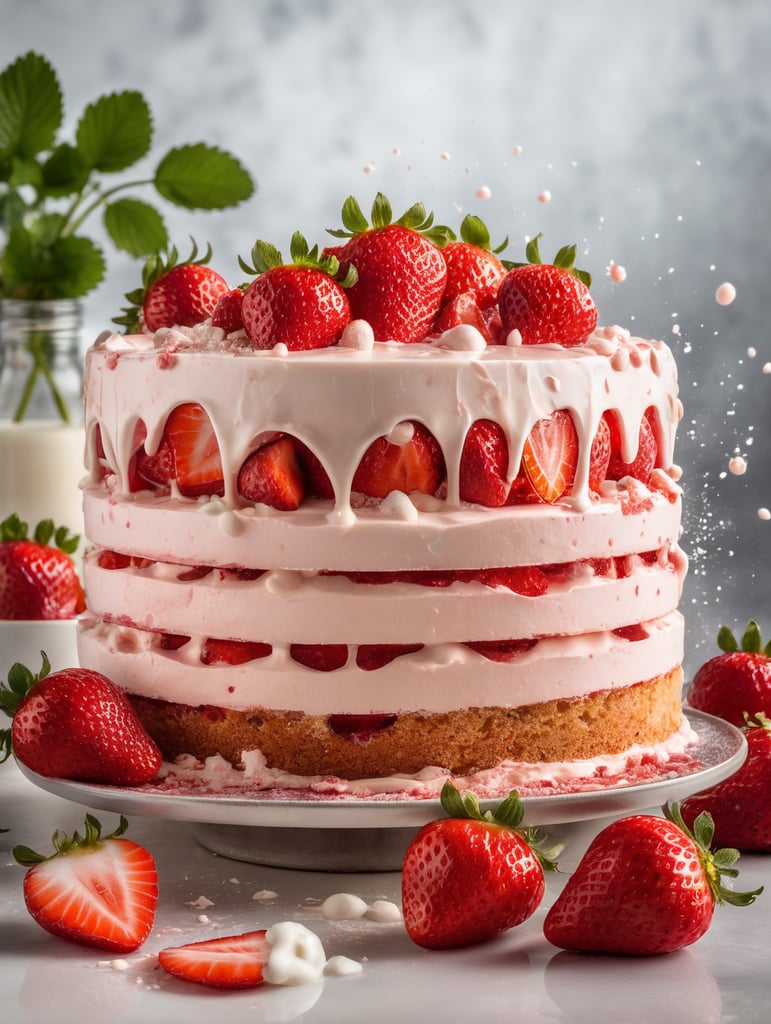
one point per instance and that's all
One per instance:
(400, 270)
(302, 304)
(95, 890)
(173, 294)
(225, 962)
(38, 578)
(548, 303)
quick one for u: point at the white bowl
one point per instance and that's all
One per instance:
(23, 639)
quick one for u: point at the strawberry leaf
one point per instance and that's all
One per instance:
(34, 269)
(726, 641)
(135, 227)
(202, 177)
(115, 131)
(31, 106)
(64, 172)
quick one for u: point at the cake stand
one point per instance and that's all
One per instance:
(372, 834)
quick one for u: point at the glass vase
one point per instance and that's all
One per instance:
(41, 417)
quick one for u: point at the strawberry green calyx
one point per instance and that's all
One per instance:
(565, 260)
(416, 218)
(20, 682)
(508, 814)
(156, 266)
(751, 642)
(266, 256)
(716, 864)
(64, 844)
(474, 231)
(13, 528)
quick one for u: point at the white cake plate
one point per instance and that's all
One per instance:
(360, 834)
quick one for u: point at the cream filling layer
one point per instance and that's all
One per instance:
(439, 678)
(294, 607)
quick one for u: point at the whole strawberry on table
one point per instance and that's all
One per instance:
(38, 578)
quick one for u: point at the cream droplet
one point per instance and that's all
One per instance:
(737, 465)
(725, 294)
(764, 513)
(545, 196)
(483, 192)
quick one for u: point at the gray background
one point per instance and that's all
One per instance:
(650, 124)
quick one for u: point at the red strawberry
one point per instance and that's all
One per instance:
(273, 476)
(501, 650)
(321, 657)
(232, 652)
(400, 272)
(76, 724)
(232, 961)
(643, 463)
(550, 455)
(297, 304)
(462, 309)
(174, 294)
(645, 885)
(736, 681)
(188, 454)
(317, 479)
(470, 876)
(374, 656)
(472, 266)
(483, 465)
(415, 465)
(38, 581)
(227, 313)
(97, 890)
(547, 303)
(739, 805)
(359, 728)
(599, 456)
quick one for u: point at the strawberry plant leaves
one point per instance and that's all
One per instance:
(31, 106)
(136, 227)
(202, 177)
(34, 267)
(115, 131)
(64, 172)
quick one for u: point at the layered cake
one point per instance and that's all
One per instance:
(378, 555)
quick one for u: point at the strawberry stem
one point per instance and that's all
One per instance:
(751, 642)
(64, 844)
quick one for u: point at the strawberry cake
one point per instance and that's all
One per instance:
(392, 505)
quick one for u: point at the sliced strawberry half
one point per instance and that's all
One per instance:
(550, 455)
(96, 890)
(316, 477)
(416, 465)
(232, 961)
(484, 463)
(273, 476)
(642, 465)
(501, 650)
(321, 657)
(374, 656)
(188, 453)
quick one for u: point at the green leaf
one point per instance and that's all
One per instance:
(202, 177)
(354, 221)
(115, 131)
(35, 268)
(64, 172)
(31, 106)
(136, 227)
(751, 639)
(25, 171)
(381, 214)
(726, 641)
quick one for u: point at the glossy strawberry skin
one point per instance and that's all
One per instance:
(731, 684)
(739, 805)
(103, 896)
(546, 305)
(464, 881)
(229, 962)
(76, 724)
(401, 281)
(484, 464)
(38, 582)
(640, 889)
(416, 465)
(273, 476)
(227, 313)
(472, 269)
(182, 297)
(300, 307)
(188, 454)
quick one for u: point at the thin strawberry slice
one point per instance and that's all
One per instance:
(501, 650)
(96, 891)
(321, 657)
(550, 455)
(232, 652)
(359, 728)
(232, 961)
(415, 465)
(461, 309)
(483, 465)
(273, 476)
(374, 656)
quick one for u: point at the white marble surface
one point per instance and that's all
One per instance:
(723, 977)
(647, 123)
